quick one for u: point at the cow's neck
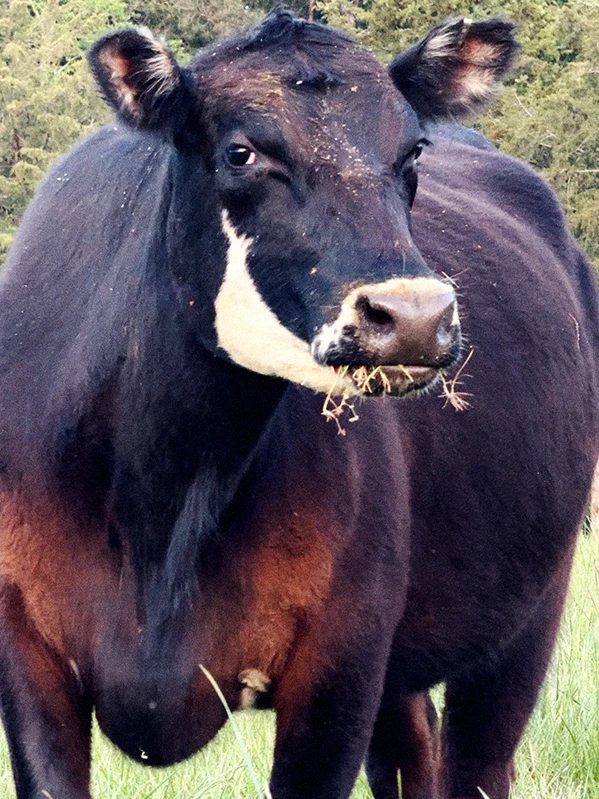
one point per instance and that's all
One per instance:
(178, 468)
(187, 421)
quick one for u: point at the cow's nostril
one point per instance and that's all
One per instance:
(407, 321)
(375, 317)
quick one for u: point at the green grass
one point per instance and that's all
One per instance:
(558, 758)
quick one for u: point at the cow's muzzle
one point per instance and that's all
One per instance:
(393, 337)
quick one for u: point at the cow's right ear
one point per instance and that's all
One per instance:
(140, 78)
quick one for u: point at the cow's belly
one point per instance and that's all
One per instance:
(463, 611)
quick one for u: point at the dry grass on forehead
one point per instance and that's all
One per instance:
(302, 63)
(230, 86)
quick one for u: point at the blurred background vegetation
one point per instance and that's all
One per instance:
(548, 113)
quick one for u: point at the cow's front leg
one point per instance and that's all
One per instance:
(45, 712)
(326, 706)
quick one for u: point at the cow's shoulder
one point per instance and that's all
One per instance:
(91, 213)
(489, 220)
(491, 190)
(111, 159)
(76, 280)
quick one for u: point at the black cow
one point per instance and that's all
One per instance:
(171, 494)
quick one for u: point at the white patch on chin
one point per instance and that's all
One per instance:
(250, 333)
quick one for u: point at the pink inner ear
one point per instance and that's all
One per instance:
(477, 52)
(117, 68)
(474, 84)
(114, 61)
(474, 78)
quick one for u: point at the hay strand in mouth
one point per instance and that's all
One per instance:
(363, 377)
(333, 408)
(451, 394)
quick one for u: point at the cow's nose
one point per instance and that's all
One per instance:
(417, 324)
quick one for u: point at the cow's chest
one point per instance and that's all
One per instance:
(152, 686)
(240, 636)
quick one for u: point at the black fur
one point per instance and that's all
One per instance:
(163, 506)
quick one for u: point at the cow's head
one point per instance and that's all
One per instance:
(298, 152)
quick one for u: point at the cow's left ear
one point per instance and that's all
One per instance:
(456, 69)
(140, 78)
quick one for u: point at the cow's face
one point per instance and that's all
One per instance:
(311, 148)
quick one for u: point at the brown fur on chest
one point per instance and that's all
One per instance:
(256, 610)
(247, 617)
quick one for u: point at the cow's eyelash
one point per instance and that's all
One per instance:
(409, 158)
(422, 145)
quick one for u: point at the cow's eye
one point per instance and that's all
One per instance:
(240, 155)
(417, 151)
(405, 163)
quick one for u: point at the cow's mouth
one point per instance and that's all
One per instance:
(393, 381)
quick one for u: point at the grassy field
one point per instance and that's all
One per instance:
(558, 758)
